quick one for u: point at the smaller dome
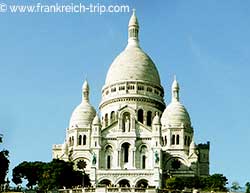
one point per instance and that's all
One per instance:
(156, 120)
(82, 116)
(96, 120)
(84, 113)
(175, 115)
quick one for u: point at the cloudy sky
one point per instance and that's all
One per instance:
(45, 57)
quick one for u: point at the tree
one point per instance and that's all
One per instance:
(175, 183)
(58, 174)
(4, 163)
(235, 186)
(247, 187)
(30, 171)
(48, 176)
(215, 182)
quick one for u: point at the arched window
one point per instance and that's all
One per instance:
(188, 141)
(173, 140)
(108, 162)
(80, 140)
(143, 162)
(140, 115)
(185, 140)
(108, 154)
(106, 119)
(125, 148)
(112, 116)
(149, 118)
(84, 140)
(72, 140)
(177, 139)
(143, 154)
(165, 140)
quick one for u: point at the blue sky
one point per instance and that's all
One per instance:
(44, 59)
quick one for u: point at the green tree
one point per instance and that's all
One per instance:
(58, 174)
(235, 186)
(247, 187)
(175, 183)
(48, 176)
(215, 182)
(4, 163)
(30, 171)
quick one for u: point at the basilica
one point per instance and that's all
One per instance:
(136, 139)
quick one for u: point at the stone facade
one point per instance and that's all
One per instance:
(138, 141)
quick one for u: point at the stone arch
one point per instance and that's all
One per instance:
(108, 156)
(183, 162)
(142, 183)
(126, 122)
(122, 142)
(112, 116)
(149, 118)
(79, 140)
(105, 179)
(140, 115)
(123, 181)
(141, 178)
(107, 144)
(125, 147)
(143, 144)
(122, 113)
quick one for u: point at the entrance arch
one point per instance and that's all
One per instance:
(142, 183)
(124, 183)
(104, 182)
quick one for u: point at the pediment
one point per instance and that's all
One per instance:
(142, 130)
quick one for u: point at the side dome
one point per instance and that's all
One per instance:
(82, 116)
(133, 64)
(175, 113)
(84, 113)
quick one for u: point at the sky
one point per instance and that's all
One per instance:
(45, 58)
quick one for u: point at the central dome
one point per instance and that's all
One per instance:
(132, 64)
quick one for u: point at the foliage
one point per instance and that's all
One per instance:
(247, 187)
(175, 183)
(215, 182)
(28, 170)
(48, 176)
(4, 163)
(235, 186)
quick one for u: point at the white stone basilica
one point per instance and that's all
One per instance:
(138, 140)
